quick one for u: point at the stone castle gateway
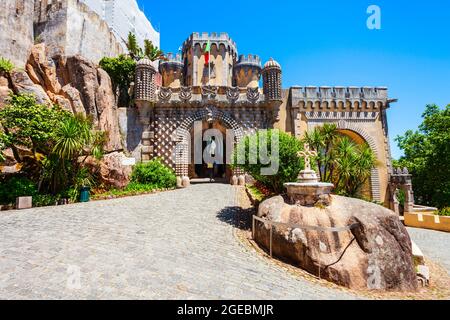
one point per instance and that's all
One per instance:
(227, 95)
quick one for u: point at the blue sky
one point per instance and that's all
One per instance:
(328, 43)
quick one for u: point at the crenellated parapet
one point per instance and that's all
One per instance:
(215, 38)
(339, 98)
(249, 60)
(218, 71)
(247, 71)
(172, 71)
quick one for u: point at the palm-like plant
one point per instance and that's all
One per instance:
(73, 135)
(74, 139)
(340, 160)
(152, 52)
(134, 50)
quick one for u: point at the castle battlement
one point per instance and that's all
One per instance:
(173, 59)
(339, 93)
(249, 60)
(201, 39)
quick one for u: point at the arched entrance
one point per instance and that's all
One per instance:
(366, 190)
(358, 134)
(209, 116)
(211, 133)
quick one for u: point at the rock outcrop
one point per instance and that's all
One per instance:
(375, 255)
(78, 86)
(110, 170)
(74, 83)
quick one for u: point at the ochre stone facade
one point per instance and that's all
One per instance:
(227, 94)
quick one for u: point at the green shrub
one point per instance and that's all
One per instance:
(6, 66)
(154, 174)
(15, 187)
(45, 200)
(444, 212)
(289, 162)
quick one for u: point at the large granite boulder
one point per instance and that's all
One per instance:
(375, 255)
(110, 170)
(77, 85)
(22, 83)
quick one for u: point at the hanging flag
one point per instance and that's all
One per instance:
(207, 52)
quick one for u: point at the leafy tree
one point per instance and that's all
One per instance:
(426, 155)
(340, 160)
(50, 144)
(289, 162)
(121, 70)
(27, 124)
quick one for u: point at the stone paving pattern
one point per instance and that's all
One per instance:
(173, 245)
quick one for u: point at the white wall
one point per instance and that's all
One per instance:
(124, 16)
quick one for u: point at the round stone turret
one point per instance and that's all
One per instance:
(145, 82)
(172, 71)
(272, 80)
(247, 71)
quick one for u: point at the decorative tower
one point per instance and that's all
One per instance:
(272, 80)
(145, 82)
(247, 71)
(219, 72)
(145, 97)
(172, 71)
(145, 88)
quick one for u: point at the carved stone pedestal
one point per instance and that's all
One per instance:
(309, 191)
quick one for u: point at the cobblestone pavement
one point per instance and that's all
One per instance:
(434, 245)
(173, 245)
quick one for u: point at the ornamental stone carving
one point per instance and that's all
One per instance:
(233, 94)
(186, 94)
(209, 92)
(253, 94)
(165, 94)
